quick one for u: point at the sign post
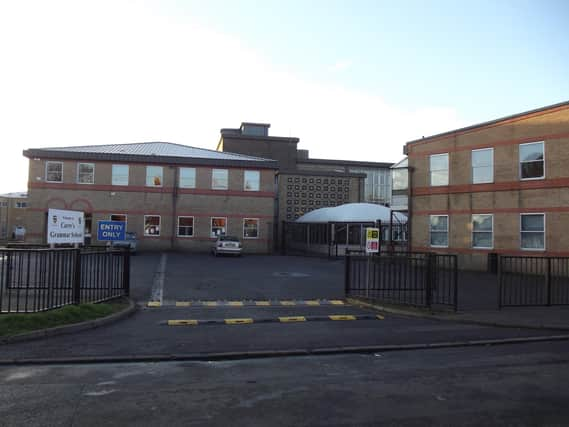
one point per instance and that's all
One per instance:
(65, 227)
(372, 247)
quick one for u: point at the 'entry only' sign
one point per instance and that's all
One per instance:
(111, 230)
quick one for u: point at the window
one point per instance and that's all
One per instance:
(120, 175)
(532, 165)
(250, 228)
(187, 177)
(3, 204)
(218, 226)
(438, 228)
(219, 179)
(21, 205)
(152, 225)
(438, 166)
(185, 226)
(482, 230)
(252, 181)
(532, 231)
(118, 217)
(54, 172)
(154, 176)
(483, 166)
(85, 173)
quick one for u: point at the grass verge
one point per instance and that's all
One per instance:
(13, 324)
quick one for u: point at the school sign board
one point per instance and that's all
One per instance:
(111, 230)
(65, 226)
(372, 240)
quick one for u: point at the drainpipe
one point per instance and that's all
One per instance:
(174, 205)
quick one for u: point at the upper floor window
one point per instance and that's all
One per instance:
(54, 172)
(482, 231)
(154, 175)
(120, 175)
(400, 178)
(187, 177)
(21, 205)
(438, 227)
(532, 164)
(85, 173)
(252, 181)
(219, 179)
(438, 166)
(532, 231)
(483, 166)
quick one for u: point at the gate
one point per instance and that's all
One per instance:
(418, 279)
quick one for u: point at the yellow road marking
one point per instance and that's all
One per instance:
(342, 317)
(210, 303)
(237, 321)
(235, 303)
(312, 302)
(182, 322)
(292, 319)
(262, 303)
(183, 303)
(288, 303)
(154, 304)
(380, 317)
(336, 302)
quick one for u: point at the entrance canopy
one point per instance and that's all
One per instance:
(352, 212)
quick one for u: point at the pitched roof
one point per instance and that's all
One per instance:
(153, 152)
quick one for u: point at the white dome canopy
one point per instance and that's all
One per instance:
(352, 212)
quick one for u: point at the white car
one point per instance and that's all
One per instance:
(227, 245)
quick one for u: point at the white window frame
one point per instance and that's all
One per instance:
(213, 179)
(473, 231)
(213, 236)
(186, 236)
(159, 226)
(92, 173)
(431, 170)
(113, 182)
(446, 231)
(194, 178)
(544, 231)
(491, 165)
(119, 214)
(161, 176)
(258, 228)
(20, 205)
(46, 171)
(520, 160)
(258, 181)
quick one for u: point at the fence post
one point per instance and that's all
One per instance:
(499, 262)
(76, 296)
(548, 279)
(347, 273)
(126, 273)
(429, 279)
(455, 278)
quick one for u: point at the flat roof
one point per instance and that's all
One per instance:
(559, 106)
(346, 163)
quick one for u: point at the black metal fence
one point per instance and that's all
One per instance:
(419, 279)
(34, 280)
(533, 281)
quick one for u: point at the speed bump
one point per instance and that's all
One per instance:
(289, 319)
(336, 302)
(235, 303)
(342, 317)
(183, 322)
(263, 303)
(154, 304)
(282, 319)
(288, 302)
(183, 303)
(209, 303)
(238, 321)
(312, 302)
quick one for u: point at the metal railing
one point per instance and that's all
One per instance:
(33, 280)
(418, 279)
(532, 281)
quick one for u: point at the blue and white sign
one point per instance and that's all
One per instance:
(111, 230)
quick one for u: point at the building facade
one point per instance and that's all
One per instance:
(496, 187)
(13, 212)
(173, 196)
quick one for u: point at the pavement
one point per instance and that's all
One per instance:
(197, 307)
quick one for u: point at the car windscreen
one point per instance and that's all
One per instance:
(229, 239)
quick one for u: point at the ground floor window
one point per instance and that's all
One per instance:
(250, 228)
(185, 226)
(218, 226)
(438, 228)
(152, 225)
(532, 231)
(482, 231)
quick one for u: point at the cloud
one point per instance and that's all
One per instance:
(82, 75)
(340, 66)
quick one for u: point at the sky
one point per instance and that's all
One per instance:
(353, 79)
